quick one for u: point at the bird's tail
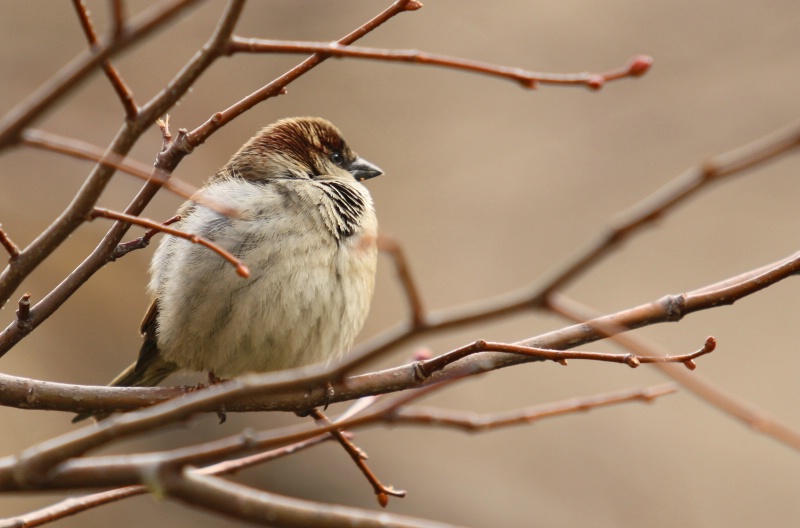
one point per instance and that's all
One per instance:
(149, 371)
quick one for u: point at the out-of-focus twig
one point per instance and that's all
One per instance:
(54, 90)
(413, 297)
(76, 505)
(76, 148)
(474, 422)
(123, 91)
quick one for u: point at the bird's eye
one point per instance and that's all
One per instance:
(337, 158)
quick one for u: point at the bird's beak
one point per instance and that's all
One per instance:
(362, 169)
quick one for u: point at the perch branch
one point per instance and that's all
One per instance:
(289, 390)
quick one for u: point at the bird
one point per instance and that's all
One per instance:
(291, 205)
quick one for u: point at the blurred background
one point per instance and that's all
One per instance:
(488, 187)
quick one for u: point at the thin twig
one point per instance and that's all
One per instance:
(143, 241)
(117, 18)
(382, 492)
(83, 150)
(278, 86)
(474, 422)
(241, 269)
(413, 297)
(53, 91)
(636, 67)
(123, 91)
(8, 244)
(428, 367)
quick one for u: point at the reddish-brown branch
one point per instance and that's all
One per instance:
(141, 242)
(669, 197)
(474, 422)
(278, 86)
(382, 492)
(8, 244)
(117, 18)
(123, 91)
(428, 367)
(635, 67)
(241, 268)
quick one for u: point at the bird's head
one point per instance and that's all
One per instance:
(299, 148)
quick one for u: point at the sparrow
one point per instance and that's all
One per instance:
(291, 206)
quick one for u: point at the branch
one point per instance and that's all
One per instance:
(635, 67)
(395, 251)
(76, 505)
(382, 492)
(428, 367)
(241, 269)
(702, 387)
(278, 86)
(123, 92)
(43, 98)
(300, 389)
(245, 503)
(669, 197)
(474, 422)
(76, 148)
(84, 201)
(8, 244)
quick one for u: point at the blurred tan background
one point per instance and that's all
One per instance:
(488, 187)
